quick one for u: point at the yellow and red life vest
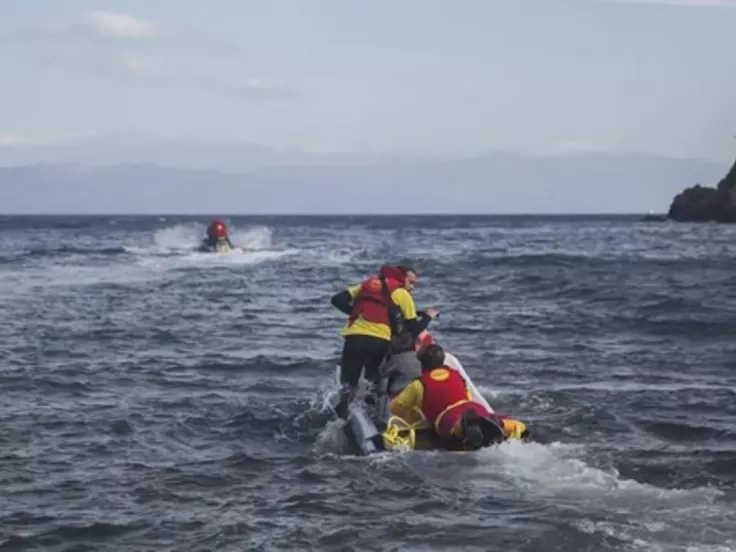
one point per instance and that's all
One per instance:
(444, 389)
(372, 302)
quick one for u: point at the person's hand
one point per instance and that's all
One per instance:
(432, 312)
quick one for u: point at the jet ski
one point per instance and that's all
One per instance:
(217, 239)
(371, 428)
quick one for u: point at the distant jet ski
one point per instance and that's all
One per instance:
(371, 428)
(217, 240)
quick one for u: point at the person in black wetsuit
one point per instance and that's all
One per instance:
(383, 319)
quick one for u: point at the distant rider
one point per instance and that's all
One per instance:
(381, 309)
(442, 397)
(217, 237)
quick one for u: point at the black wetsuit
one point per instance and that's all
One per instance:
(362, 351)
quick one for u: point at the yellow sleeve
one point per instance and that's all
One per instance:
(405, 302)
(411, 397)
(353, 290)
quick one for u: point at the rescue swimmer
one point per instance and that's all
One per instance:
(382, 316)
(217, 239)
(441, 397)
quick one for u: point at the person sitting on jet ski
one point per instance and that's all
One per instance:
(217, 237)
(441, 395)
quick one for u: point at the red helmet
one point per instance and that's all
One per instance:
(424, 339)
(217, 229)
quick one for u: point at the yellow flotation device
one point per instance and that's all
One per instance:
(399, 434)
(514, 428)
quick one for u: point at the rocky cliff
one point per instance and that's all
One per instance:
(704, 204)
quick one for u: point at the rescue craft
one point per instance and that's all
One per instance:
(371, 429)
(217, 240)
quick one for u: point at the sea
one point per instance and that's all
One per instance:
(157, 398)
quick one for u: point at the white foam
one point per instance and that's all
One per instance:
(183, 238)
(554, 469)
(177, 238)
(487, 392)
(255, 238)
(234, 257)
(639, 513)
(331, 438)
(175, 247)
(69, 275)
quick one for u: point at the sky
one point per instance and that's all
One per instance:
(429, 76)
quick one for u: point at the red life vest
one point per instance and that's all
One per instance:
(371, 302)
(444, 388)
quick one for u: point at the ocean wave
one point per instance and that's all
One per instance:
(157, 397)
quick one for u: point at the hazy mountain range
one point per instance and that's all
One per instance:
(124, 174)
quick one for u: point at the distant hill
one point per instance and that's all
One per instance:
(272, 183)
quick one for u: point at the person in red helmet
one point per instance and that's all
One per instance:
(217, 237)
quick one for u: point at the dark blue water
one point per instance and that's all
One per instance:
(158, 399)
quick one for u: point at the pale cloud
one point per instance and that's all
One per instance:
(257, 88)
(102, 63)
(113, 35)
(141, 69)
(9, 141)
(106, 24)
(99, 26)
(110, 28)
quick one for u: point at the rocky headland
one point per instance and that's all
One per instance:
(705, 204)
